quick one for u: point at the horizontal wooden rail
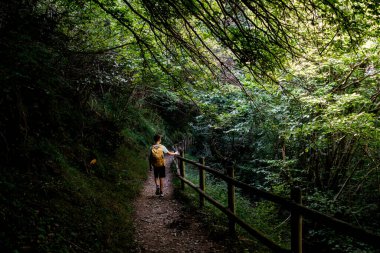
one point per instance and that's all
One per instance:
(272, 245)
(331, 222)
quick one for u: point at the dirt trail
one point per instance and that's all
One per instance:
(162, 226)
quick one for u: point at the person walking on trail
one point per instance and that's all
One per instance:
(157, 163)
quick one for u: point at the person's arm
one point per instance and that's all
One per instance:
(150, 160)
(166, 151)
(173, 153)
(150, 165)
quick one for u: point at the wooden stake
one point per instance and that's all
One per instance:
(296, 222)
(231, 198)
(182, 168)
(202, 182)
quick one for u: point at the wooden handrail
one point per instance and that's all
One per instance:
(268, 242)
(296, 208)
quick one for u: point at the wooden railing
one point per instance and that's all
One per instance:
(294, 205)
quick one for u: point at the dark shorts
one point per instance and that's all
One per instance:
(159, 172)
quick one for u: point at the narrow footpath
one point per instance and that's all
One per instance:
(162, 226)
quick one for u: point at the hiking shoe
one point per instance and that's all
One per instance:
(157, 190)
(161, 194)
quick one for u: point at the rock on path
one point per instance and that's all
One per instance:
(162, 226)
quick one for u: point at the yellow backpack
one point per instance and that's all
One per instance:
(157, 156)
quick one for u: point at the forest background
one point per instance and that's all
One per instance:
(287, 90)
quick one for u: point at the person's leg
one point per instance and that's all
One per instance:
(157, 180)
(161, 184)
(162, 178)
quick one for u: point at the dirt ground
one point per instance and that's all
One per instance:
(162, 225)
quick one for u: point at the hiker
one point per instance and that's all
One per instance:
(157, 162)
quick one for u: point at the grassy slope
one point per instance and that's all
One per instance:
(66, 209)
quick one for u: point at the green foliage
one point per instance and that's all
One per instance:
(288, 91)
(61, 110)
(320, 131)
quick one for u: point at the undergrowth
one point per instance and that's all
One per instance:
(62, 203)
(68, 209)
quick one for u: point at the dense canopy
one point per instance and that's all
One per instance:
(286, 90)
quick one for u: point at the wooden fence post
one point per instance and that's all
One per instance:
(202, 182)
(182, 168)
(296, 222)
(231, 198)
